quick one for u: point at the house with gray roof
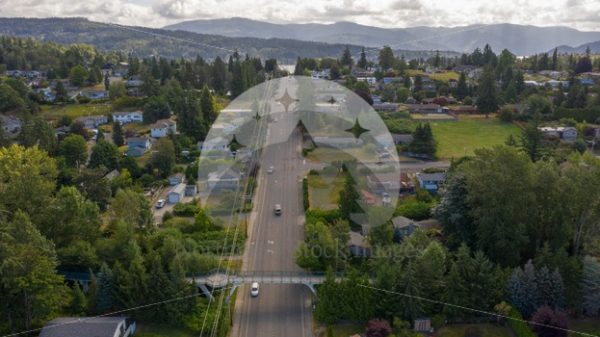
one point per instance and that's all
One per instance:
(431, 181)
(89, 327)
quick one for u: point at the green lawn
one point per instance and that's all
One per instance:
(146, 330)
(459, 138)
(485, 330)
(56, 112)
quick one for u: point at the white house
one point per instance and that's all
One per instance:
(176, 194)
(163, 128)
(128, 117)
(566, 133)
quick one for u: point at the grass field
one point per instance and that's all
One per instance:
(459, 138)
(486, 330)
(56, 112)
(445, 76)
(324, 191)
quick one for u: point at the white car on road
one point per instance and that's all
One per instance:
(271, 169)
(254, 289)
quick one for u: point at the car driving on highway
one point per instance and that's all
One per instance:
(254, 289)
(277, 209)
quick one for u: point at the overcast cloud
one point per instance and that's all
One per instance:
(581, 14)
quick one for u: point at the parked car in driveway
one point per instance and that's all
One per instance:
(160, 203)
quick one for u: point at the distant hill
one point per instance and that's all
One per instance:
(519, 39)
(594, 48)
(174, 44)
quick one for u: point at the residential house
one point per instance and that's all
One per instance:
(134, 82)
(402, 139)
(423, 325)
(358, 245)
(383, 182)
(532, 84)
(359, 72)
(106, 326)
(464, 68)
(95, 94)
(176, 194)
(92, 122)
(163, 128)
(137, 146)
(393, 80)
(46, 93)
(431, 181)
(11, 125)
(463, 109)
(320, 74)
(191, 190)
(338, 142)
(427, 108)
(226, 178)
(371, 80)
(176, 179)
(403, 227)
(389, 107)
(128, 117)
(566, 133)
(555, 84)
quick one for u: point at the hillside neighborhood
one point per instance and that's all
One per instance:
(130, 181)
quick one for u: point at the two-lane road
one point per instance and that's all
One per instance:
(279, 310)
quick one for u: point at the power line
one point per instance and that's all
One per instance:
(476, 310)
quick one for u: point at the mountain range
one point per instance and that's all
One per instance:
(174, 44)
(519, 39)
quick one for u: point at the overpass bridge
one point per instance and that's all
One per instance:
(221, 279)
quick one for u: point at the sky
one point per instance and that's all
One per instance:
(579, 14)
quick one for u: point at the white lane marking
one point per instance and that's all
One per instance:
(271, 242)
(270, 251)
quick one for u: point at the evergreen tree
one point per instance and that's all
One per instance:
(78, 304)
(348, 200)
(117, 134)
(209, 113)
(362, 62)
(487, 99)
(590, 286)
(106, 81)
(105, 290)
(386, 58)
(346, 59)
(462, 90)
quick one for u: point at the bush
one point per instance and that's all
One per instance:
(305, 199)
(415, 210)
(506, 114)
(518, 325)
(580, 114)
(185, 209)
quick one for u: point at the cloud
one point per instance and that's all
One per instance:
(581, 14)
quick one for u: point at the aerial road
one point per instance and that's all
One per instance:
(278, 310)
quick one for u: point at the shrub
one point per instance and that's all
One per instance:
(518, 325)
(185, 209)
(305, 199)
(415, 210)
